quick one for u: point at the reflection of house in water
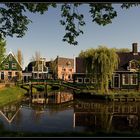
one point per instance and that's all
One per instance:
(10, 111)
(61, 97)
(107, 116)
(38, 98)
(55, 97)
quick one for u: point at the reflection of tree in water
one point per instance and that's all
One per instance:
(109, 117)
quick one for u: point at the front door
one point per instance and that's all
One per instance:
(116, 81)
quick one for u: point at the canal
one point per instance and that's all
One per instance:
(62, 113)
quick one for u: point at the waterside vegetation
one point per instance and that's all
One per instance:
(11, 94)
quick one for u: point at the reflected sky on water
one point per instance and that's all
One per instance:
(62, 113)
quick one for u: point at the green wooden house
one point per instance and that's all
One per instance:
(10, 68)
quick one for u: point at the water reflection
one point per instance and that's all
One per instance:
(10, 111)
(55, 97)
(107, 117)
(61, 113)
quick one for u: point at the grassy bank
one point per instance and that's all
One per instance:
(110, 95)
(11, 94)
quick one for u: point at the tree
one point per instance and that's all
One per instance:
(122, 50)
(20, 57)
(53, 68)
(2, 49)
(101, 63)
(14, 21)
(36, 58)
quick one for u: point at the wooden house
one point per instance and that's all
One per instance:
(127, 76)
(10, 68)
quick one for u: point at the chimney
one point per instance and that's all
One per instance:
(135, 48)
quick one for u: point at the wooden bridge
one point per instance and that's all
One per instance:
(61, 83)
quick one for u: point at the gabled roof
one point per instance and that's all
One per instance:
(11, 53)
(65, 61)
(33, 63)
(125, 58)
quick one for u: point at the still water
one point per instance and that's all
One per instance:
(62, 113)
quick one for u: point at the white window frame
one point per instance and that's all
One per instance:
(85, 80)
(132, 80)
(40, 67)
(116, 75)
(78, 80)
(6, 66)
(14, 65)
(123, 83)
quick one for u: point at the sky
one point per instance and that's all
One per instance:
(45, 34)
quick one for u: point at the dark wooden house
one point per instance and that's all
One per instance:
(10, 68)
(125, 77)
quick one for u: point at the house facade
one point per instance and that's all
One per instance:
(10, 68)
(64, 68)
(125, 77)
(36, 70)
(80, 76)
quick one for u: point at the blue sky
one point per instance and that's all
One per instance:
(45, 34)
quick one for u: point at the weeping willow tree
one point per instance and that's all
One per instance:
(101, 63)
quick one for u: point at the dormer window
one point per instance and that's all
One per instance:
(133, 65)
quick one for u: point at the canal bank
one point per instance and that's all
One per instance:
(10, 94)
(118, 96)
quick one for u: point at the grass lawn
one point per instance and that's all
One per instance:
(11, 94)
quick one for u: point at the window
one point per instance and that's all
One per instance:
(10, 58)
(131, 79)
(93, 80)
(17, 74)
(6, 66)
(35, 96)
(134, 79)
(2, 75)
(40, 75)
(14, 65)
(125, 78)
(69, 76)
(9, 75)
(68, 63)
(80, 80)
(63, 76)
(133, 64)
(63, 69)
(40, 68)
(86, 80)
